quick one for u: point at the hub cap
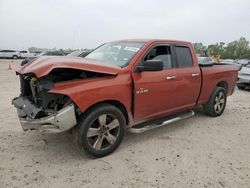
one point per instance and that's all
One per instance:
(219, 102)
(103, 132)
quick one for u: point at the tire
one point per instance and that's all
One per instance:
(217, 103)
(14, 57)
(240, 87)
(100, 130)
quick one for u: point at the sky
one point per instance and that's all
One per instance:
(89, 23)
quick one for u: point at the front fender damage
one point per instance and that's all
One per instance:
(39, 108)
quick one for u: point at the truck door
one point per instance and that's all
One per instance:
(154, 90)
(188, 78)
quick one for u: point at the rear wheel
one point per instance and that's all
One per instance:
(100, 131)
(14, 57)
(217, 102)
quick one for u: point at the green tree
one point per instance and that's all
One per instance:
(242, 47)
(233, 50)
(199, 48)
(237, 49)
(216, 49)
(230, 50)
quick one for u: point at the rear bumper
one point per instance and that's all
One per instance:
(60, 121)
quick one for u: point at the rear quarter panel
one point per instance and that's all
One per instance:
(212, 76)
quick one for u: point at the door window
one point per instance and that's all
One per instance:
(184, 58)
(162, 52)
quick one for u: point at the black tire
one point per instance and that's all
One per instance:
(105, 137)
(14, 57)
(240, 87)
(217, 103)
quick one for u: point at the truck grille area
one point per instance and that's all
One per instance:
(35, 100)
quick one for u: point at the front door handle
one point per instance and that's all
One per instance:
(170, 77)
(195, 74)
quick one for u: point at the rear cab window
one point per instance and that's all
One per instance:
(183, 56)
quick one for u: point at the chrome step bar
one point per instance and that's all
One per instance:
(174, 119)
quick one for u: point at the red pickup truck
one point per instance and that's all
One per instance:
(130, 84)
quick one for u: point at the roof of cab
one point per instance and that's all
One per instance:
(153, 40)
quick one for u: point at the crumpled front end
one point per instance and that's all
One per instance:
(39, 109)
(56, 122)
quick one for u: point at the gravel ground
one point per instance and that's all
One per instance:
(196, 152)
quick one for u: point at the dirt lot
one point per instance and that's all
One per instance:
(197, 152)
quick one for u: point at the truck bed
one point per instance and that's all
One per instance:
(214, 74)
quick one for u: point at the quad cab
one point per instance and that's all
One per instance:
(130, 84)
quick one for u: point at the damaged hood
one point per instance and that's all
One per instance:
(44, 65)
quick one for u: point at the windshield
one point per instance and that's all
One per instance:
(116, 53)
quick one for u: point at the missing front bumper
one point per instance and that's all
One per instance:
(61, 121)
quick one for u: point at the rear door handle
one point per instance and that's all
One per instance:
(195, 74)
(170, 77)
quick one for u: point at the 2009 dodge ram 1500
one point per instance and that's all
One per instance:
(133, 84)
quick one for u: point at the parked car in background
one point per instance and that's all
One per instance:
(53, 53)
(228, 61)
(231, 62)
(79, 53)
(23, 54)
(36, 52)
(34, 55)
(242, 61)
(9, 54)
(244, 77)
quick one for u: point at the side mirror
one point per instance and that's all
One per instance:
(150, 65)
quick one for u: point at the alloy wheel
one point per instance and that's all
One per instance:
(220, 101)
(103, 132)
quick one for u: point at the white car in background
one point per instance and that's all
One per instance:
(244, 75)
(228, 61)
(9, 54)
(23, 53)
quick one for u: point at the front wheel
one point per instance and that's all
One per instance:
(217, 103)
(100, 131)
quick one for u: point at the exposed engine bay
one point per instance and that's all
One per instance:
(36, 99)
